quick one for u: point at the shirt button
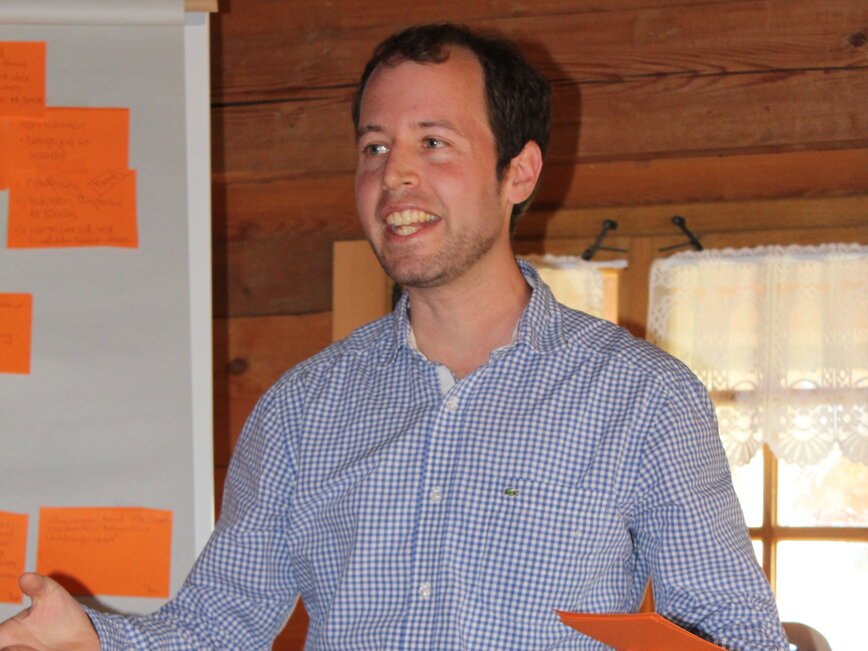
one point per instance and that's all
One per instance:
(452, 405)
(424, 590)
(436, 495)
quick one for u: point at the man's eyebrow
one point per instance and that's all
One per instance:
(424, 124)
(443, 124)
(370, 128)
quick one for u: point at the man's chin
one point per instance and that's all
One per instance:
(416, 280)
(410, 272)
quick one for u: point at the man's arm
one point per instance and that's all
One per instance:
(240, 589)
(691, 532)
(242, 586)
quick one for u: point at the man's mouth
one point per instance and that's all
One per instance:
(407, 222)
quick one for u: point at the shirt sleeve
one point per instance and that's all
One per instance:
(691, 532)
(241, 588)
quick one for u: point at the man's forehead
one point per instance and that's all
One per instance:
(458, 77)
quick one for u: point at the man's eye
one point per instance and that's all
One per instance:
(432, 143)
(375, 149)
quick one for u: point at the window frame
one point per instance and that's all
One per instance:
(770, 532)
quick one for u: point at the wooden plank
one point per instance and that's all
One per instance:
(256, 16)
(702, 217)
(281, 138)
(273, 241)
(819, 234)
(651, 117)
(704, 178)
(672, 115)
(633, 299)
(812, 173)
(294, 633)
(327, 45)
(200, 5)
(361, 290)
(219, 480)
(272, 244)
(611, 293)
(250, 354)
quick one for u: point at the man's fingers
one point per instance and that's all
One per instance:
(35, 585)
(54, 620)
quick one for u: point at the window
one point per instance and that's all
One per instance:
(780, 338)
(810, 530)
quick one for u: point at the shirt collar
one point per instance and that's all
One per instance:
(537, 328)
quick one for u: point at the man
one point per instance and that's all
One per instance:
(448, 475)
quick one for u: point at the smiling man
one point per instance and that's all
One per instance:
(436, 208)
(447, 476)
(426, 190)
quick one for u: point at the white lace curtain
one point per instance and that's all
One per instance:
(575, 282)
(779, 336)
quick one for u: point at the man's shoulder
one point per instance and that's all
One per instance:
(615, 345)
(368, 344)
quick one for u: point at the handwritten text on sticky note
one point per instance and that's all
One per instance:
(13, 552)
(16, 323)
(63, 209)
(22, 79)
(106, 550)
(73, 139)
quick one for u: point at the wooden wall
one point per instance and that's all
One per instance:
(746, 117)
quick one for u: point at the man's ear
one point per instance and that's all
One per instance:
(524, 170)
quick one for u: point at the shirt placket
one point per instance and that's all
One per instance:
(428, 590)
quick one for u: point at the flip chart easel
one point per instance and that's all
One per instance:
(115, 410)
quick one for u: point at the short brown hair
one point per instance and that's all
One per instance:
(517, 95)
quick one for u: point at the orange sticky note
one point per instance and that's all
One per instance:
(4, 150)
(106, 550)
(636, 632)
(22, 79)
(71, 139)
(16, 323)
(61, 209)
(13, 552)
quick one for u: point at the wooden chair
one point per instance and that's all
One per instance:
(805, 638)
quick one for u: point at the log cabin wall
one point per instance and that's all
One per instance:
(747, 117)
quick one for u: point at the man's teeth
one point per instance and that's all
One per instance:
(408, 222)
(405, 230)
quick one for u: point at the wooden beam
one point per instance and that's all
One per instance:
(738, 217)
(704, 178)
(326, 45)
(843, 534)
(250, 354)
(361, 290)
(250, 196)
(645, 119)
(201, 5)
(273, 240)
(272, 244)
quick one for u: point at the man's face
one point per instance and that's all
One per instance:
(426, 186)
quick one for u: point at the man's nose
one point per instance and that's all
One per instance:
(401, 169)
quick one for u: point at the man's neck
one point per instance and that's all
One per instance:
(459, 325)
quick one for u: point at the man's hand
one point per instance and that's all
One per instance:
(54, 621)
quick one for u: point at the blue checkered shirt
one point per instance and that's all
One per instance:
(413, 511)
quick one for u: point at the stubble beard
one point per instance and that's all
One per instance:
(450, 262)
